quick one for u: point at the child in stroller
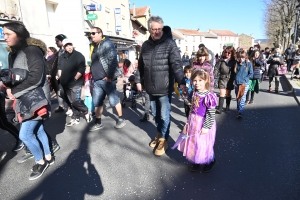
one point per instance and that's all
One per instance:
(131, 93)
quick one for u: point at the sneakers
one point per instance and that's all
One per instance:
(155, 141)
(19, 146)
(28, 155)
(69, 113)
(54, 147)
(208, 167)
(145, 118)
(239, 116)
(59, 109)
(270, 89)
(38, 170)
(194, 167)
(247, 102)
(276, 91)
(2, 155)
(73, 122)
(162, 147)
(120, 123)
(51, 161)
(251, 102)
(88, 117)
(96, 127)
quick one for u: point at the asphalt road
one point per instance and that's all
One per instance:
(257, 158)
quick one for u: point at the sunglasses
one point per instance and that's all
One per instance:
(94, 33)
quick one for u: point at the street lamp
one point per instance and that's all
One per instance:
(296, 23)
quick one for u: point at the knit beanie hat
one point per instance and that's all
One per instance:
(61, 37)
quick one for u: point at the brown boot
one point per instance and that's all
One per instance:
(162, 147)
(155, 141)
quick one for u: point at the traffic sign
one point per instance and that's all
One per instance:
(92, 16)
(94, 7)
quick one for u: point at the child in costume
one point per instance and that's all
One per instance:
(198, 136)
(88, 87)
(187, 76)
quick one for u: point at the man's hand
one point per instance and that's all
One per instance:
(139, 87)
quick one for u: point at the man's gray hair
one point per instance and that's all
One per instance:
(155, 19)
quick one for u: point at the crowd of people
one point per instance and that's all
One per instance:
(160, 71)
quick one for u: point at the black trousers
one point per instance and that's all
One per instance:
(4, 124)
(74, 96)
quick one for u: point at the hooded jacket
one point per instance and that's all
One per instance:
(159, 63)
(32, 94)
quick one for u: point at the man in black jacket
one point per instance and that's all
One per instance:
(289, 54)
(70, 70)
(159, 63)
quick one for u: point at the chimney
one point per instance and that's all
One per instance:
(198, 29)
(133, 10)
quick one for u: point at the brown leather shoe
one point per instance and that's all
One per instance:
(162, 147)
(155, 141)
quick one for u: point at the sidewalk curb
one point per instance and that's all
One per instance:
(294, 87)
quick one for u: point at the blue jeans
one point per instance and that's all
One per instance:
(241, 102)
(161, 108)
(27, 135)
(103, 88)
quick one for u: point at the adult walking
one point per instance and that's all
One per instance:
(54, 80)
(105, 71)
(225, 70)
(275, 60)
(257, 64)
(202, 62)
(185, 59)
(31, 91)
(71, 69)
(159, 64)
(289, 54)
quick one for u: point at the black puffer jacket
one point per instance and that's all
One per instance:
(274, 64)
(159, 63)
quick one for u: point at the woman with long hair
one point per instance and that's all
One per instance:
(225, 70)
(274, 60)
(51, 71)
(202, 62)
(31, 91)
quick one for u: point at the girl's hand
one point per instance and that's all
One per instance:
(203, 131)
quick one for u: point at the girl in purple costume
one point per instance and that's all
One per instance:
(198, 137)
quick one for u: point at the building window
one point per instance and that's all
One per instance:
(225, 38)
(107, 19)
(51, 8)
(186, 48)
(193, 48)
(186, 38)
(179, 41)
(193, 38)
(200, 38)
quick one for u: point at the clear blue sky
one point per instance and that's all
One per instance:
(236, 15)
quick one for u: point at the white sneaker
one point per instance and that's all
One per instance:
(69, 113)
(88, 117)
(73, 122)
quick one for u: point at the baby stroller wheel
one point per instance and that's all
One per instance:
(123, 105)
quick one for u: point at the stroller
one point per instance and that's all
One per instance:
(130, 92)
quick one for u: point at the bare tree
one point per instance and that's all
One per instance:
(279, 20)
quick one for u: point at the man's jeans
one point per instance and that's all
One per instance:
(161, 108)
(27, 135)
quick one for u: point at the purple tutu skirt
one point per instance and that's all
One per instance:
(198, 149)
